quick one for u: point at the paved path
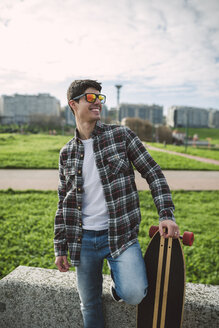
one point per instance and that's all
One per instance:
(197, 158)
(48, 180)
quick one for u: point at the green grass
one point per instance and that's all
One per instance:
(30, 151)
(197, 212)
(42, 152)
(27, 217)
(206, 153)
(203, 134)
(174, 162)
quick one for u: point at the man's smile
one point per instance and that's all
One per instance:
(95, 109)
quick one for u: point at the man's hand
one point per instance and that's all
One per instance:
(62, 263)
(172, 229)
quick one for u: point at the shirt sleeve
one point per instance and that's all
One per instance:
(151, 171)
(60, 242)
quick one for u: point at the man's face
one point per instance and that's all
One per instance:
(85, 111)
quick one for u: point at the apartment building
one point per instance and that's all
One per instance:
(181, 116)
(213, 118)
(19, 108)
(152, 113)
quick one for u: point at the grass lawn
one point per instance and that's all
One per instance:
(42, 152)
(174, 162)
(203, 134)
(207, 153)
(30, 151)
(27, 218)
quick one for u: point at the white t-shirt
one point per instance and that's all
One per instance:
(94, 210)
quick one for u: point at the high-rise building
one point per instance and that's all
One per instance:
(104, 112)
(69, 116)
(213, 118)
(182, 116)
(152, 113)
(19, 108)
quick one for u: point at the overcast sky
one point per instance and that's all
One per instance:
(163, 52)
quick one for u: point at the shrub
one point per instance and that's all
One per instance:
(164, 134)
(142, 128)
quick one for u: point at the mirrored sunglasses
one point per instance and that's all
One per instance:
(91, 97)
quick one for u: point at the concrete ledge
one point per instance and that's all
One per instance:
(44, 298)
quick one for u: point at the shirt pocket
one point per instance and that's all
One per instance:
(117, 164)
(69, 173)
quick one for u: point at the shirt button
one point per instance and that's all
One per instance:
(79, 171)
(82, 155)
(79, 239)
(79, 207)
(79, 189)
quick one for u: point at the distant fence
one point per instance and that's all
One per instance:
(45, 298)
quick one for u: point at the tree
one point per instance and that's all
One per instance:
(45, 121)
(164, 134)
(142, 128)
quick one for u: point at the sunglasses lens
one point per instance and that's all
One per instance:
(102, 99)
(91, 97)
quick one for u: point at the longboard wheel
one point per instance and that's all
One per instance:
(153, 230)
(188, 238)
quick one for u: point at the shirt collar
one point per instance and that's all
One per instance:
(98, 129)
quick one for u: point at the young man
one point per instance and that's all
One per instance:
(98, 213)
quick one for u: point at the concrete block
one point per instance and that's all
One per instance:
(44, 298)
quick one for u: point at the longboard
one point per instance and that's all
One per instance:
(164, 303)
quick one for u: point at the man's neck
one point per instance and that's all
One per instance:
(85, 129)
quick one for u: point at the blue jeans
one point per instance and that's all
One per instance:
(128, 272)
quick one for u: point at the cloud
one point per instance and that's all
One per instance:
(168, 47)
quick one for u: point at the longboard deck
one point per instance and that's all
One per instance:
(164, 303)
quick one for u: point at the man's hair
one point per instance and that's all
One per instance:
(78, 87)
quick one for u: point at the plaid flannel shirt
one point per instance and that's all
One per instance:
(116, 148)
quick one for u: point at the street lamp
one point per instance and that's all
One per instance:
(118, 86)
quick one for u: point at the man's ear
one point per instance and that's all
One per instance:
(72, 105)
